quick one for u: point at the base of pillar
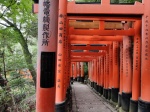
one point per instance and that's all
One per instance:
(101, 90)
(95, 86)
(89, 82)
(106, 94)
(125, 101)
(82, 79)
(114, 94)
(78, 79)
(98, 88)
(92, 84)
(71, 80)
(119, 99)
(133, 106)
(75, 79)
(109, 93)
(143, 106)
(61, 107)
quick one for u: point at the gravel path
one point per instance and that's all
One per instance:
(84, 99)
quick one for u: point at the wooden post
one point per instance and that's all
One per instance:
(98, 74)
(121, 74)
(46, 62)
(95, 74)
(115, 87)
(127, 70)
(102, 75)
(110, 70)
(107, 75)
(71, 72)
(82, 72)
(144, 101)
(104, 89)
(75, 71)
(78, 71)
(136, 68)
(60, 89)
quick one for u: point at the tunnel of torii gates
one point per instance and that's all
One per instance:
(113, 39)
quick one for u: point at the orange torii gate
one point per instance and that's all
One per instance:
(130, 79)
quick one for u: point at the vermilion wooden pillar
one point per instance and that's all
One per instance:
(82, 72)
(66, 62)
(60, 90)
(47, 46)
(110, 70)
(104, 88)
(115, 86)
(78, 72)
(98, 74)
(65, 56)
(90, 73)
(94, 74)
(127, 70)
(97, 77)
(121, 74)
(102, 75)
(71, 72)
(75, 71)
(107, 75)
(144, 101)
(136, 86)
(97, 70)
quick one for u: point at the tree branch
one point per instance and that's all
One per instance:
(8, 22)
(4, 24)
(12, 3)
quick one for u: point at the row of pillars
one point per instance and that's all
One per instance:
(118, 72)
(118, 75)
(77, 71)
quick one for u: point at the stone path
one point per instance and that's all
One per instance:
(84, 99)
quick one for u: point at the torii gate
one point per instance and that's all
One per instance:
(53, 46)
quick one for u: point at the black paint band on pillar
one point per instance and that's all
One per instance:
(109, 93)
(114, 94)
(47, 74)
(133, 106)
(119, 99)
(61, 107)
(143, 106)
(125, 101)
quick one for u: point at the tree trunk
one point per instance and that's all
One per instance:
(2, 81)
(23, 43)
(28, 56)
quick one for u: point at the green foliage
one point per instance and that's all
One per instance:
(85, 68)
(18, 38)
(124, 1)
(88, 0)
(5, 99)
(18, 90)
